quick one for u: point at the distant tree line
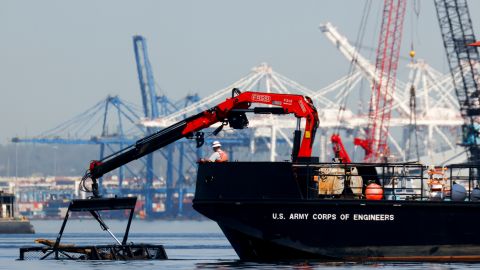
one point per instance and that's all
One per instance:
(45, 160)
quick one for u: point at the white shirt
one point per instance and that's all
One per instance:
(218, 155)
(214, 156)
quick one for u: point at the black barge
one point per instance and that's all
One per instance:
(284, 211)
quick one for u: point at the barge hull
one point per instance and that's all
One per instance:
(284, 231)
(267, 212)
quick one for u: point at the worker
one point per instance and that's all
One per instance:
(218, 154)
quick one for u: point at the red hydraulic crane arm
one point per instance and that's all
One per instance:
(231, 111)
(300, 106)
(339, 149)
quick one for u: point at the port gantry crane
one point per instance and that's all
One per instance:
(155, 106)
(230, 112)
(457, 33)
(150, 109)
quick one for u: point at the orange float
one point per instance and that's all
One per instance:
(374, 192)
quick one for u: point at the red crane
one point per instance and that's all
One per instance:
(388, 50)
(339, 149)
(230, 112)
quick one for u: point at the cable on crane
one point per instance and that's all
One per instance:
(414, 19)
(413, 124)
(335, 138)
(351, 69)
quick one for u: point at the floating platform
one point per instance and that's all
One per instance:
(53, 249)
(95, 252)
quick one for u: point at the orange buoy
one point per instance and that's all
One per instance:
(374, 192)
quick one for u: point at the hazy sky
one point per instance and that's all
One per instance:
(58, 58)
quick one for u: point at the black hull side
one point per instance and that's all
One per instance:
(250, 248)
(430, 233)
(253, 249)
(265, 213)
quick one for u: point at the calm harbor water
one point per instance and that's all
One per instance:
(189, 245)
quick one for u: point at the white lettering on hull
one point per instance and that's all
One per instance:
(298, 216)
(333, 217)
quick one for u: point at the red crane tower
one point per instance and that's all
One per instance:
(388, 50)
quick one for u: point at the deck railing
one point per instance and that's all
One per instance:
(399, 181)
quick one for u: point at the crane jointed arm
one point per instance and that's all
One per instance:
(232, 112)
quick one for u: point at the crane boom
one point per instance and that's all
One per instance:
(388, 50)
(457, 32)
(145, 78)
(231, 111)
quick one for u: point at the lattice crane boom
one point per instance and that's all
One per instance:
(381, 101)
(457, 32)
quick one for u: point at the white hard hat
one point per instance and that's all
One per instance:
(216, 144)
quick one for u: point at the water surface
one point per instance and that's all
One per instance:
(189, 245)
